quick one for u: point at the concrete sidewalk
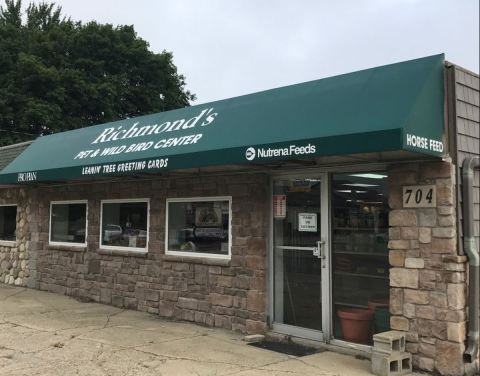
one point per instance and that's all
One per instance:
(48, 334)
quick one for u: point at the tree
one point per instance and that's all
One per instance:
(57, 74)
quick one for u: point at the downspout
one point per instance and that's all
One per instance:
(470, 248)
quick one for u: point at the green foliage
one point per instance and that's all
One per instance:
(57, 75)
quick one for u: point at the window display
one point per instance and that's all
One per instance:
(199, 226)
(8, 222)
(68, 222)
(360, 255)
(125, 224)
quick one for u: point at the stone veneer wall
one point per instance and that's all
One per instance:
(428, 279)
(229, 294)
(17, 263)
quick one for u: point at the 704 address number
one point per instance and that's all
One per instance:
(419, 196)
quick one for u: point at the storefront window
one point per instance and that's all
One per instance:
(68, 222)
(8, 222)
(125, 224)
(360, 255)
(199, 227)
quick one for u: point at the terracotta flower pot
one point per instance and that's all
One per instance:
(356, 324)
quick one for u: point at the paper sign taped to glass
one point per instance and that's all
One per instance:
(307, 222)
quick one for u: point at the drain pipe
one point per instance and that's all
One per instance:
(470, 248)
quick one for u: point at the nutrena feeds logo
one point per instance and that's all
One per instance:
(292, 150)
(250, 154)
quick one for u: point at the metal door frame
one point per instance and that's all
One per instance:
(326, 290)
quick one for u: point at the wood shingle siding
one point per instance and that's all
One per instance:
(467, 108)
(10, 152)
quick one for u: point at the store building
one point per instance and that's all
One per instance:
(292, 210)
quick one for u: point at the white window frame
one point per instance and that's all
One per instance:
(120, 201)
(68, 244)
(10, 242)
(200, 199)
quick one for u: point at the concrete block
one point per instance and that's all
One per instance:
(395, 364)
(389, 342)
(254, 338)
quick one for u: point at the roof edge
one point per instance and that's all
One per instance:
(459, 67)
(16, 145)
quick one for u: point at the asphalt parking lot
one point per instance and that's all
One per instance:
(48, 334)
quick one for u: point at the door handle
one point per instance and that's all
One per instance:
(321, 252)
(321, 249)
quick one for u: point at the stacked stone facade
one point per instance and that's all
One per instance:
(17, 264)
(428, 293)
(428, 278)
(222, 293)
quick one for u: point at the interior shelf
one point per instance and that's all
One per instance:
(353, 253)
(350, 305)
(380, 230)
(362, 275)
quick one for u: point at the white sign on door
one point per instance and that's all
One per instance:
(279, 206)
(307, 222)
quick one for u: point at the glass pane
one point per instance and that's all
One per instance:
(297, 281)
(302, 200)
(8, 223)
(124, 224)
(360, 254)
(298, 287)
(68, 223)
(199, 227)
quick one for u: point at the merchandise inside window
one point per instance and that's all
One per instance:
(199, 227)
(360, 255)
(124, 224)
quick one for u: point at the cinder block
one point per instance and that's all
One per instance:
(389, 342)
(395, 364)
(254, 338)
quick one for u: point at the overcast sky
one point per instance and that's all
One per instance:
(227, 48)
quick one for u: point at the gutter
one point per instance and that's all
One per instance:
(470, 248)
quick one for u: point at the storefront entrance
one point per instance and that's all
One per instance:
(300, 256)
(330, 256)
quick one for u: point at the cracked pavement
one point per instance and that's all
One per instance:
(48, 334)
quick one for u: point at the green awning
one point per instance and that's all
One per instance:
(388, 108)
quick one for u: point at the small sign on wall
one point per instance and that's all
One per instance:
(419, 196)
(279, 206)
(307, 222)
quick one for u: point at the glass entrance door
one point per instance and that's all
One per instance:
(300, 257)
